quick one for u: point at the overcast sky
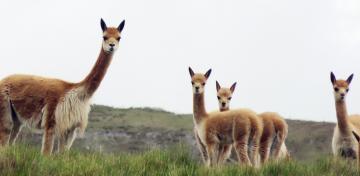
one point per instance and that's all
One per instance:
(280, 52)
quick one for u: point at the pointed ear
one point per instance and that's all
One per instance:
(121, 26)
(103, 25)
(191, 72)
(207, 74)
(356, 136)
(232, 88)
(218, 87)
(348, 80)
(332, 78)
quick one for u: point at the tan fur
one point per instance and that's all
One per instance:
(344, 143)
(57, 107)
(217, 130)
(274, 126)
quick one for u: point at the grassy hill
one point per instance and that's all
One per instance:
(26, 160)
(134, 130)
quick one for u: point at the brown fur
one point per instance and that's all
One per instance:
(273, 126)
(219, 130)
(36, 101)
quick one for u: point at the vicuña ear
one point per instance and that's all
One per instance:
(191, 72)
(121, 26)
(218, 87)
(207, 74)
(356, 136)
(348, 80)
(332, 77)
(103, 25)
(232, 88)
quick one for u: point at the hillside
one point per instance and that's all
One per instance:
(114, 130)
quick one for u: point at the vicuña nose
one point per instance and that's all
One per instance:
(197, 88)
(342, 94)
(112, 45)
(223, 103)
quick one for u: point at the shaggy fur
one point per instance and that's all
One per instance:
(217, 130)
(344, 143)
(57, 107)
(275, 128)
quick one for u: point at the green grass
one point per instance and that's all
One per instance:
(26, 160)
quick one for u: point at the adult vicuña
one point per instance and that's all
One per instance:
(344, 143)
(275, 128)
(218, 129)
(57, 107)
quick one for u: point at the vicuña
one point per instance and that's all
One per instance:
(218, 130)
(274, 132)
(344, 143)
(58, 108)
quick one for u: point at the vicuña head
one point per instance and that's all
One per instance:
(198, 81)
(341, 87)
(224, 96)
(111, 36)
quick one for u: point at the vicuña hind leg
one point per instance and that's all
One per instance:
(49, 132)
(15, 132)
(66, 140)
(5, 121)
(264, 150)
(16, 128)
(280, 139)
(224, 153)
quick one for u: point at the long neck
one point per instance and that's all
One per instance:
(224, 109)
(199, 107)
(342, 115)
(94, 78)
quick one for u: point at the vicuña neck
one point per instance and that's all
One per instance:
(94, 78)
(342, 117)
(224, 109)
(199, 108)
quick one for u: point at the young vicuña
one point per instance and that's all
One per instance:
(274, 127)
(217, 130)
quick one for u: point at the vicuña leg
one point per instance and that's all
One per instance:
(66, 140)
(213, 153)
(49, 133)
(225, 151)
(5, 121)
(280, 139)
(15, 132)
(265, 150)
(16, 128)
(201, 147)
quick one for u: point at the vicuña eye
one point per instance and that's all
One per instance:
(203, 84)
(347, 90)
(118, 39)
(229, 98)
(218, 97)
(192, 82)
(336, 89)
(105, 38)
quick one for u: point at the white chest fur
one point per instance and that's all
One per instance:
(72, 112)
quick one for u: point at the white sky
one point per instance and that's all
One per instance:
(280, 52)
